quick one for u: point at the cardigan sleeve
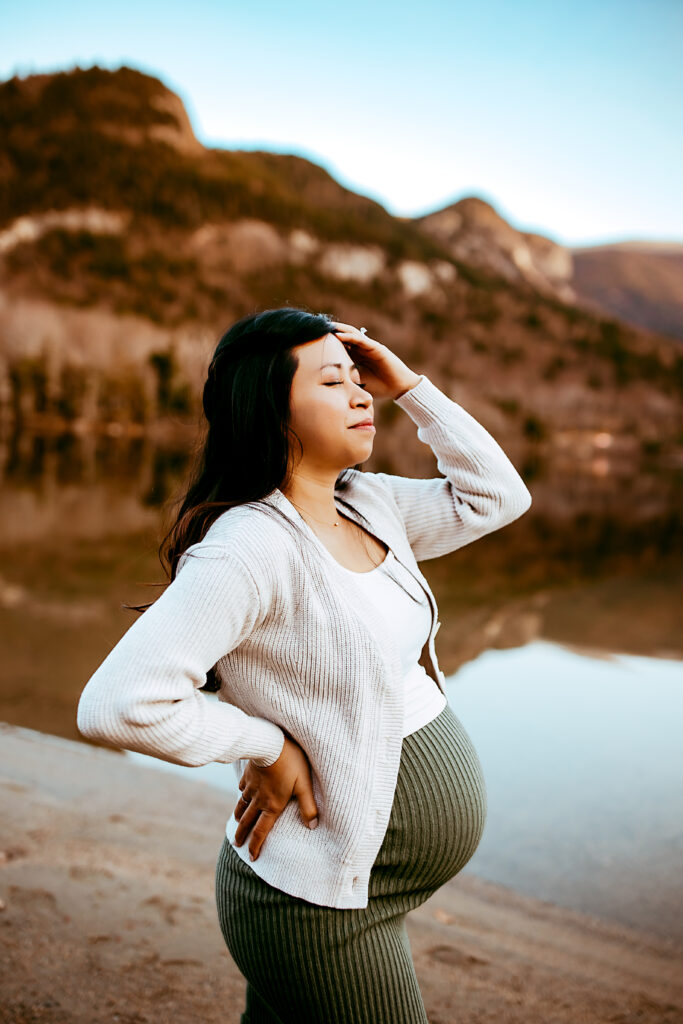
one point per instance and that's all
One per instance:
(145, 695)
(480, 491)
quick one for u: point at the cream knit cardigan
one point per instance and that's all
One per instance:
(299, 647)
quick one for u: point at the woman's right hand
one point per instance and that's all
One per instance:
(266, 791)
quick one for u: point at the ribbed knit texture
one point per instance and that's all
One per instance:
(304, 962)
(300, 649)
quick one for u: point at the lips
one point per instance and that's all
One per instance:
(363, 423)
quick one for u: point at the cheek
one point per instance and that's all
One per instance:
(322, 422)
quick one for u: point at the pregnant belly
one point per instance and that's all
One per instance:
(439, 809)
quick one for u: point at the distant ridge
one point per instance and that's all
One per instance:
(126, 247)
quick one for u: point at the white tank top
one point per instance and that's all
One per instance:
(410, 621)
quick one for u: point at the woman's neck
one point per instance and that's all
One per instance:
(314, 498)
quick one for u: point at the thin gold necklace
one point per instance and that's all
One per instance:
(313, 517)
(322, 523)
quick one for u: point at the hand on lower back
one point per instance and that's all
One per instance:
(266, 791)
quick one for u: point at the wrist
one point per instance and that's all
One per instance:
(407, 384)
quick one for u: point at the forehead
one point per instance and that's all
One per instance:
(327, 351)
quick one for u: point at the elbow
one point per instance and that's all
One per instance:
(96, 720)
(131, 723)
(517, 502)
(90, 721)
(100, 718)
(523, 497)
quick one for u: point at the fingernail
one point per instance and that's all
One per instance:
(313, 823)
(251, 856)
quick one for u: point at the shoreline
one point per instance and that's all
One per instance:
(107, 885)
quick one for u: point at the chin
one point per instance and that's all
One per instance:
(359, 453)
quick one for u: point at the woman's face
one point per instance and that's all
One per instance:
(326, 403)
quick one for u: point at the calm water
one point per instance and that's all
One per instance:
(584, 771)
(561, 638)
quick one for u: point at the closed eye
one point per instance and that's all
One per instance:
(329, 383)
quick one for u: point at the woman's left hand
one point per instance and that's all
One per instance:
(386, 376)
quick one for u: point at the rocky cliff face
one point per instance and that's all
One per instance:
(472, 231)
(126, 247)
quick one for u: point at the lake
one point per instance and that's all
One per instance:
(562, 639)
(584, 773)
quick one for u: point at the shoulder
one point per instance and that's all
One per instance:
(370, 491)
(253, 535)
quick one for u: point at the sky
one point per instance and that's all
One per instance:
(564, 115)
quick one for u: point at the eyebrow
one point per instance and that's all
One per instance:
(339, 366)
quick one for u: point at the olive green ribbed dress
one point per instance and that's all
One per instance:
(311, 964)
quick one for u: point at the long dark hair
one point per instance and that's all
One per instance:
(246, 404)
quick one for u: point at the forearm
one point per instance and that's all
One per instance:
(480, 490)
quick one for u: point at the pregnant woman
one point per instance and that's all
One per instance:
(295, 593)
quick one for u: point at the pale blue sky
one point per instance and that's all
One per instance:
(565, 116)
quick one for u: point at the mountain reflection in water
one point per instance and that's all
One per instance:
(561, 637)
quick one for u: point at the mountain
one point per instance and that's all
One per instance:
(639, 282)
(127, 247)
(473, 231)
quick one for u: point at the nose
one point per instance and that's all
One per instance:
(362, 397)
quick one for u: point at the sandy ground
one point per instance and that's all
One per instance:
(108, 914)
